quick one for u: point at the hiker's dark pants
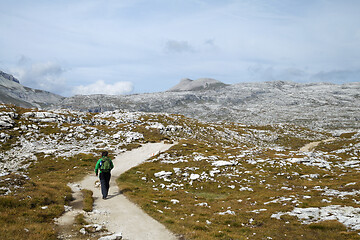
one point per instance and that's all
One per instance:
(105, 180)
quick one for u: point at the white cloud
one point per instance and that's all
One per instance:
(40, 75)
(100, 87)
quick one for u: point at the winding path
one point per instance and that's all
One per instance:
(311, 146)
(117, 213)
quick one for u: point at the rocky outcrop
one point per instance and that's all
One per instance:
(12, 92)
(115, 236)
(8, 76)
(187, 84)
(66, 133)
(7, 119)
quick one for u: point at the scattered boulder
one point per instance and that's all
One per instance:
(349, 216)
(222, 163)
(4, 137)
(115, 236)
(6, 122)
(162, 174)
(130, 136)
(194, 176)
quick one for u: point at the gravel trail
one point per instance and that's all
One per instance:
(116, 212)
(311, 146)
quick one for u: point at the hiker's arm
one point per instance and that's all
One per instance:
(97, 166)
(112, 164)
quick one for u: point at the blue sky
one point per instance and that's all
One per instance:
(135, 46)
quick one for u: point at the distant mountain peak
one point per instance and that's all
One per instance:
(8, 77)
(12, 92)
(187, 84)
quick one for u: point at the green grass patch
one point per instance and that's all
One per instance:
(328, 225)
(80, 220)
(88, 200)
(30, 212)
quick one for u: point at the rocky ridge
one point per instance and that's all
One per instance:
(8, 76)
(12, 92)
(187, 84)
(320, 106)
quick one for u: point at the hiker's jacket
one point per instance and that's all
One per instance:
(97, 166)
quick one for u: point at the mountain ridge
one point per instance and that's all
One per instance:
(12, 92)
(9, 77)
(314, 105)
(319, 106)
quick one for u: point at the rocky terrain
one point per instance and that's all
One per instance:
(319, 106)
(221, 180)
(187, 84)
(12, 92)
(272, 160)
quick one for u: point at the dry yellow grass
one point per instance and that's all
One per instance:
(29, 213)
(196, 214)
(88, 200)
(260, 153)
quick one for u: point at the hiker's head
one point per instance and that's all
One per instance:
(105, 153)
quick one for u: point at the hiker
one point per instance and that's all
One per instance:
(104, 164)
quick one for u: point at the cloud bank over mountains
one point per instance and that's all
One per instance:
(40, 75)
(49, 76)
(100, 87)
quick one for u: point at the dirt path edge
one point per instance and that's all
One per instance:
(116, 213)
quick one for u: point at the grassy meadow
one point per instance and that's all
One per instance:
(238, 201)
(220, 180)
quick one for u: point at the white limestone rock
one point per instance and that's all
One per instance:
(163, 174)
(349, 216)
(115, 236)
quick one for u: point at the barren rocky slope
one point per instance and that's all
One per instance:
(319, 106)
(187, 84)
(12, 92)
(316, 105)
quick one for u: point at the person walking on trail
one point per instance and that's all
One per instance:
(104, 164)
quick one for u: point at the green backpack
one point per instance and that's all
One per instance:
(105, 164)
